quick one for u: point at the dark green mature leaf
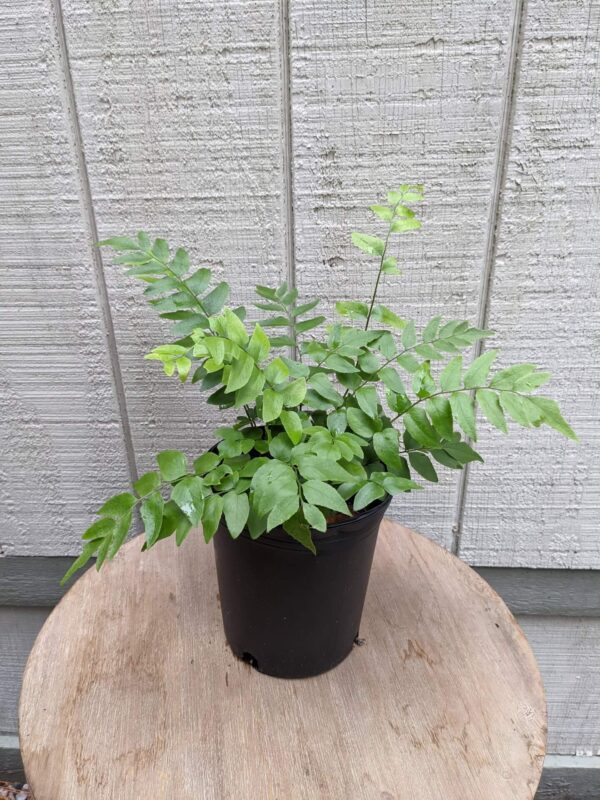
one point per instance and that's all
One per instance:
(151, 512)
(420, 428)
(236, 509)
(172, 464)
(322, 494)
(118, 505)
(88, 551)
(100, 528)
(323, 386)
(362, 424)
(215, 300)
(292, 425)
(299, 530)
(386, 445)
(211, 515)
(421, 464)
(315, 517)
(206, 462)
(188, 495)
(440, 413)
(394, 484)
(284, 509)
(121, 529)
(313, 467)
(462, 452)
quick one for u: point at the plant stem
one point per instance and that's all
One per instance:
(451, 391)
(379, 274)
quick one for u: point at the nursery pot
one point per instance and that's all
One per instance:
(289, 613)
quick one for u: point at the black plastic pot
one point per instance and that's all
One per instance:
(287, 612)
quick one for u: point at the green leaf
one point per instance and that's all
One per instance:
(367, 399)
(120, 243)
(181, 262)
(417, 424)
(188, 495)
(118, 505)
(462, 452)
(277, 371)
(199, 280)
(183, 365)
(284, 509)
(87, 552)
(249, 392)
(322, 494)
(464, 413)
(182, 529)
(211, 515)
(122, 525)
(372, 245)
(272, 405)
(206, 462)
(160, 250)
(280, 447)
(294, 392)
(361, 424)
(514, 406)
(259, 345)
(236, 509)
(309, 324)
(389, 266)
(509, 377)
(266, 292)
(337, 422)
(551, 416)
(408, 362)
(305, 307)
(172, 464)
(270, 484)
(405, 224)
(383, 212)
(151, 512)
(292, 425)
(367, 495)
(147, 483)
(431, 329)
(421, 464)
(450, 379)
(387, 317)
(100, 528)
(319, 468)
(387, 447)
(394, 484)
(322, 384)
(315, 517)
(440, 413)
(214, 301)
(299, 530)
(409, 336)
(339, 364)
(490, 406)
(241, 371)
(476, 374)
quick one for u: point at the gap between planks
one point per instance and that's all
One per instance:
(89, 215)
(500, 170)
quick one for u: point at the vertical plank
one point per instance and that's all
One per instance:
(384, 94)
(60, 434)
(180, 115)
(536, 502)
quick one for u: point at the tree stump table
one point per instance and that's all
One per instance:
(131, 691)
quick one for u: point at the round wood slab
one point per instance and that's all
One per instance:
(131, 691)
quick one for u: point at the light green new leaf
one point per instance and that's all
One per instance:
(372, 245)
(450, 379)
(352, 309)
(236, 509)
(387, 317)
(151, 512)
(292, 425)
(172, 464)
(383, 212)
(240, 373)
(259, 345)
(490, 406)
(294, 392)
(272, 405)
(551, 416)
(120, 243)
(476, 374)
(322, 494)
(277, 371)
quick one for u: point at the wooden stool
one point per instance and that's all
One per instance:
(131, 691)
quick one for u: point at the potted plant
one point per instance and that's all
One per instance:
(324, 428)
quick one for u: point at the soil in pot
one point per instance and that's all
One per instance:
(287, 612)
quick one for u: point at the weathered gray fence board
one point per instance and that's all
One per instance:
(567, 649)
(60, 434)
(18, 629)
(536, 501)
(383, 95)
(568, 652)
(180, 113)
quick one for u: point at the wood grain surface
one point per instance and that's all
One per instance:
(131, 690)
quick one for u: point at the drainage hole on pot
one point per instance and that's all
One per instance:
(249, 659)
